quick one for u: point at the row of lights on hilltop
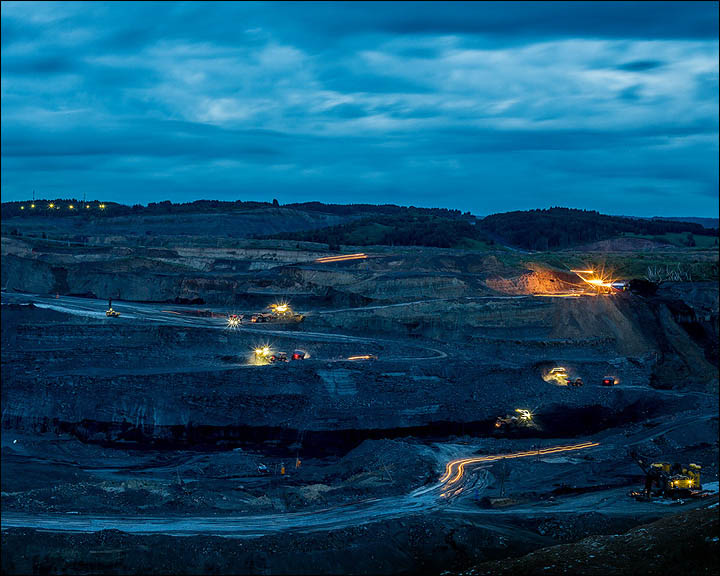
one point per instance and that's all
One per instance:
(53, 206)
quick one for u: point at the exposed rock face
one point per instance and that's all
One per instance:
(85, 377)
(537, 280)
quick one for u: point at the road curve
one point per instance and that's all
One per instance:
(421, 500)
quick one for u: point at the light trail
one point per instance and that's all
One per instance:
(457, 467)
(343, 258)
(572, 295)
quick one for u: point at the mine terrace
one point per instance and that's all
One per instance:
(436, 407)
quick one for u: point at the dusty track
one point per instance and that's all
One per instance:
(157, 314)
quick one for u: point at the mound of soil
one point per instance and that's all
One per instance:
(687, 543)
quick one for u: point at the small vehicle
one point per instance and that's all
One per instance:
(299, 355)
(262, 469)
(278, 357)
(110, 313)
(234, 320)
(577, 382)
(609, 381)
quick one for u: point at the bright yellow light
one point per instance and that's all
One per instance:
(264, 351)
(597, 279)
(22, 207)
(358, 256)
(32, 205)
(51, 205)
(281, 307)
(87, 205)
(458, 466)
(102, 206)
(71, 207)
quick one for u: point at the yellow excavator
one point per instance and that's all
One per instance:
(670, 481)
(110, 313)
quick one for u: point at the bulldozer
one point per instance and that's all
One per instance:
(110, 313)
(668, 481)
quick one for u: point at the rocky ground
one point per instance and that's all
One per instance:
(137, 441)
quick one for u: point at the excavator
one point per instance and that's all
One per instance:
(668, 481)
(110, 313)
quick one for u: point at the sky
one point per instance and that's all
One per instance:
(485, 107)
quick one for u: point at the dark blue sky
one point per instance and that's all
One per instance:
(485, 107)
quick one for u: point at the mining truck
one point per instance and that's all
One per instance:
(110, 313)
(521, 419)
(278, 313)
(278, 357)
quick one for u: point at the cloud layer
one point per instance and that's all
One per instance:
(482, 106)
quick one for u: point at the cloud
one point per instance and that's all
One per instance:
(476, 106)
(640, 65)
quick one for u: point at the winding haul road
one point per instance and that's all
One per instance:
(424, 499)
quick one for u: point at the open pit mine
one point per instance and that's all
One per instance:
(200, 404)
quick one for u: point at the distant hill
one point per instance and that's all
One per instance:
(551, 229)
(365, 224)
(558, 228)
(710, 223)
(407, 228)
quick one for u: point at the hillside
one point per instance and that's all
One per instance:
(353, 224)
(557, 228)
(685, 543)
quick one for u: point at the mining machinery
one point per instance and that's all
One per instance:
(278, 313)
(110, 313)
(663, 479)
(522, 418)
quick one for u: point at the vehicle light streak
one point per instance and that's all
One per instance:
(366, 357)
(343, 258)
(455, 469)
